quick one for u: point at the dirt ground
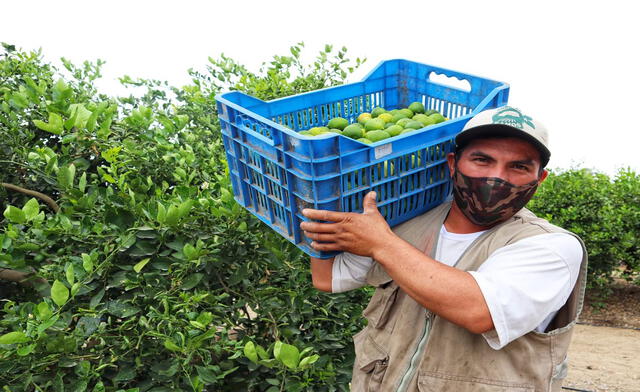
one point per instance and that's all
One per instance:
(605, 350)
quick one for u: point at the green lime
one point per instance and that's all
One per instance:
(437, 118)
(306, 133)
(377, 111)
(365, 140)
(386, 117)
(335, 130)
(394, 130)
(364, 117)
(403, 122)
(398, 116)
(318, 130)
(408, 112)
(407, 130)
(414, 124)
(430, 112)
(416, 107)
(353, 131)
(424, 119)
(374, 124)
(338, 123)
(377, 135)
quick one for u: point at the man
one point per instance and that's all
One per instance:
(477, 294)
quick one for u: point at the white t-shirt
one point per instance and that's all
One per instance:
(524, 284)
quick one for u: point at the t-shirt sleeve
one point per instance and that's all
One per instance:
(349, 272)
(523, 283)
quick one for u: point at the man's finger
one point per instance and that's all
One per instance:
(319, 237)
(369, 203)
(316, 227)
(324, 215)
(326, 247)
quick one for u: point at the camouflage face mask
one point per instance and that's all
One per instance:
(489, 200)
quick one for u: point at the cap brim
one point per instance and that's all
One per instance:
(501, 130)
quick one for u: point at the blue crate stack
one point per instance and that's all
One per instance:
(276, 172)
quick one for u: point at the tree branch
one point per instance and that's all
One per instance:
(24, 278)
(50, 202)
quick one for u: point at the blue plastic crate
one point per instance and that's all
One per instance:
(276, 172)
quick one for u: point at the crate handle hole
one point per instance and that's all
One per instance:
(450, 81)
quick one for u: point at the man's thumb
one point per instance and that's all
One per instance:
(369, 203)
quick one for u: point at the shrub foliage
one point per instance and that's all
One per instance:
(132, 265)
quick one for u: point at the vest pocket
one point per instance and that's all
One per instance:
(437, 382)
(379, 308)
(370, 364)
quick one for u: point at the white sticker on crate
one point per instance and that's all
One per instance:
(382, 151)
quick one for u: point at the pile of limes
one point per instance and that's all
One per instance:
(381, 124)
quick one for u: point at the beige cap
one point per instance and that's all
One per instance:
(507, 121)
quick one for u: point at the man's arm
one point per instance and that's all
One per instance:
(450, 293)
(322, 273)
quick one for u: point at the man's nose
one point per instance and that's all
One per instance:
(499, 172)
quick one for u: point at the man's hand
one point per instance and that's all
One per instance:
(360, 234)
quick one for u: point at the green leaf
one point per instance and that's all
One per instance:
(14, 338)
(95, 300)
(138, 267)
(26, 350)
(262, 353)
(111, 155)
(173, 214)
(66, 176)
(162, 213)
(190, 251)
(46, 324)
(59, 293)
(31, 209)
(309, 360)
(170, 345)
(122, 309)
(69, 273)
(54, 126)
(287, 354)
(192, 281)
(75, 288)
(205, 318)
(82, 184)
(250, 352)
(81, 115)
(19, 100)
(87, 263)
(185, 207)
(14, 214)
(44, 311)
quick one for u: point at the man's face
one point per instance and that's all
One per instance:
(511, 159)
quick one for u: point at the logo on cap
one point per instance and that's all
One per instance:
(512, 117)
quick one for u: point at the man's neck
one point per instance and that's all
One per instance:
(457, 222)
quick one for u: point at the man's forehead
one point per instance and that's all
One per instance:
(511, 146)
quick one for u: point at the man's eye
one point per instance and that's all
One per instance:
(522, 167)
(480, 159)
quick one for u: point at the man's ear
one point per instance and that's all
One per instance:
(451, 161)
(543, 175)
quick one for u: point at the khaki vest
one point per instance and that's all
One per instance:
(405, 347)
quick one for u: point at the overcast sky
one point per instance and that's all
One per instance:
(573, 65)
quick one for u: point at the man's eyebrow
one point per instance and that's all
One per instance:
(480, 154)
(529, 162)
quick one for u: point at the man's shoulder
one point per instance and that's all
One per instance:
(526, 224)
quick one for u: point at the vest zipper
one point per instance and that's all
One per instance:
(408, 375)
